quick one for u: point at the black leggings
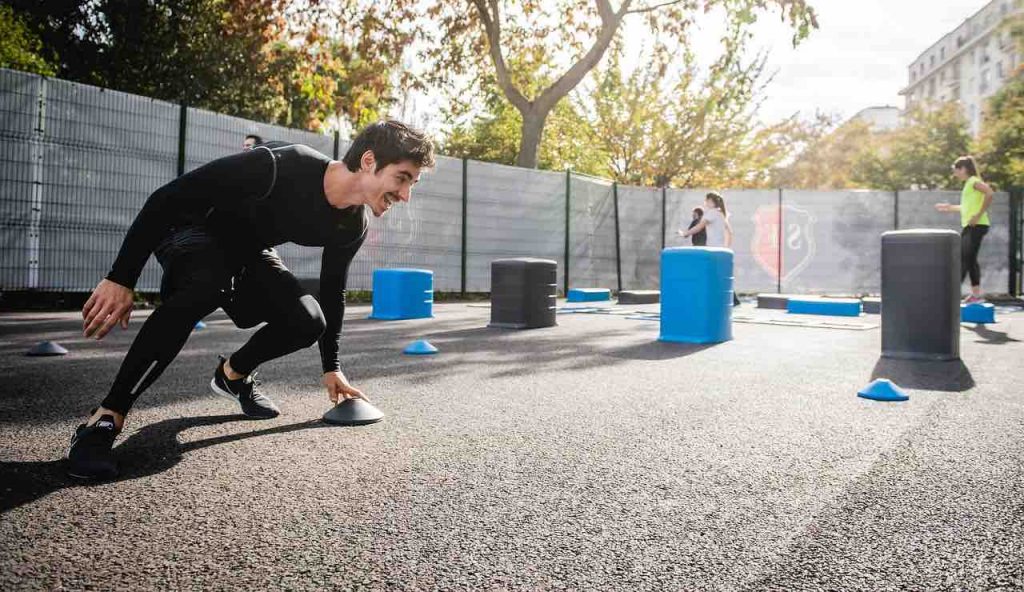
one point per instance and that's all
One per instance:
(200, 277)
(970, 245)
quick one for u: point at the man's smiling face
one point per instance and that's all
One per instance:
(392, 184)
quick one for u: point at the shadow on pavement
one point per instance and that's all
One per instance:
(989, 336)
(952, 376)
(151, 450)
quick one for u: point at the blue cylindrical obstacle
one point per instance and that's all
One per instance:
(696, 295)
(402, 294)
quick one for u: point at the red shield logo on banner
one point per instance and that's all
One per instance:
(797, 236)
(764, 246)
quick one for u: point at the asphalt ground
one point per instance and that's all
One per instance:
(587, 456)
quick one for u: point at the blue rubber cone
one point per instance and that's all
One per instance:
(353, 412)
(200, 325)
(420, 348)
(883, 389)
(47, 348)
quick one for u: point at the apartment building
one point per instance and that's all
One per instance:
(969, 64)
(882, 118)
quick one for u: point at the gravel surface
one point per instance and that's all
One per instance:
(586, 456)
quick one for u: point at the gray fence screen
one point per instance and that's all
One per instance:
(77, 163)
(592, 234)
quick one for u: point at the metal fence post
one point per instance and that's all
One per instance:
(1016, 234)
(568, 214)
(337, 144)
(664, 192)
(618, 250)
(35, 214)
(182, 128)
(778, 248)
(465, 209)
(896, 211)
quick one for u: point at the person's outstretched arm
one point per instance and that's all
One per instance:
(728, 233)
(696, 229)
(334, 265)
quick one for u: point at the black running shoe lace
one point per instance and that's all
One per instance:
(251, 383)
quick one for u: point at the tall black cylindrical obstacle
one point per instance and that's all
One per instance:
(921, 294)
(523, 293)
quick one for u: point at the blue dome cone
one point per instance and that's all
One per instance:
(420, 348)
(47, 348)
(200, 325)
(883, 389)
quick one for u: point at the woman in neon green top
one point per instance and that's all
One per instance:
(974, 202)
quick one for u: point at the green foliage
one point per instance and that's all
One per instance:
(671, 122)
(20, 47)
(476, 39)
(918, 154)
(280, 61)
(826, 153)
(494, 135)
(1000, 147)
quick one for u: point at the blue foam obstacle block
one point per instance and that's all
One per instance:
(696, 295)
(883, 389)
(47, 348)
(836, 307)
(402, 294)
(977, 312)
(589, 294)
(420, 348)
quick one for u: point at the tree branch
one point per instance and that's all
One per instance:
(492, 25)
(610, 21)
(654, 7)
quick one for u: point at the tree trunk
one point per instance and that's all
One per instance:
(533, 127)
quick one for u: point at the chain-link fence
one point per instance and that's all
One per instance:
(77, 163)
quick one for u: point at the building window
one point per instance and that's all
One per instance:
(942, 53)
(984, 82)
(999, 71)
(931, 61)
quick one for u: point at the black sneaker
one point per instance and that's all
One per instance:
(89, 456)
(245, 392)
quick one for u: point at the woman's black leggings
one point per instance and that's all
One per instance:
(198, 279)
(970, 244)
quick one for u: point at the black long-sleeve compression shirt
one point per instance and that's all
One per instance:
(253, 200)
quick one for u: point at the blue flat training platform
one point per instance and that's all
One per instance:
(836, 307)
(589, 294)
(977, 312)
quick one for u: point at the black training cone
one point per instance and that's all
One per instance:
(352, 412)
(47, 348)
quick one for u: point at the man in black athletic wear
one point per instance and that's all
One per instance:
(214, 230)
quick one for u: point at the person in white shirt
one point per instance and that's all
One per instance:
(716, 224)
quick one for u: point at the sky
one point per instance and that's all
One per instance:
(857, 58)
